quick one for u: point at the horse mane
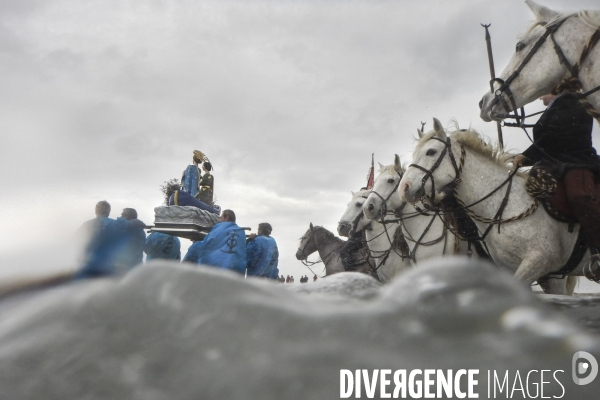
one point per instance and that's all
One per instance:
(391, 169)
(474, 141)
(560, 17)
(362, 192)
(327, 232)
(589, 17)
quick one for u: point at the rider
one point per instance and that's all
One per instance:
(562, 137)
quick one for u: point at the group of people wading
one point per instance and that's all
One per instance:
(114, 246)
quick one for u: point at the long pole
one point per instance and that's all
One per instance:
(488, 41)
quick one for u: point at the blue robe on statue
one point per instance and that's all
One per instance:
(224, 247)
(189, 180)
(263, 257)
(163, 246)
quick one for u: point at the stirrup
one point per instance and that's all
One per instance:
(591, 269)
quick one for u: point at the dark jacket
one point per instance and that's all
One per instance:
(564, 133)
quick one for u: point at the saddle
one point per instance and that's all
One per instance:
(545, 184)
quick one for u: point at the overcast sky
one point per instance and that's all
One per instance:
(107, 99)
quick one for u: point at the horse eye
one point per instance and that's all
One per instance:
(520, 46)
(430, 152)
(358, 204)
(391, 180)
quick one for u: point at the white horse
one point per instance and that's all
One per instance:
(425, 233)
(388, 256)
(523, 238)
(353, 219)
(535, 68)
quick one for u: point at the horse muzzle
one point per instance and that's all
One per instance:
(486, 105)
(371, 210)
(491, 108)
(343, 228)
(300, 255)
(409, 193)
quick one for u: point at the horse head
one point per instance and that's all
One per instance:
(434, 165)
(384, 195)
(536, 67)
(352, 219)
(307, 244)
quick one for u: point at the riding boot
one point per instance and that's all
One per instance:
(581, 195)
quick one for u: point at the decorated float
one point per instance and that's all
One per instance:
(185, 214)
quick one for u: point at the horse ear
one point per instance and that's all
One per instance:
(439, 129)
(311, 226)
(420, 133)
(397, 164)
(353, 194)
(541, 13)
(381, 167)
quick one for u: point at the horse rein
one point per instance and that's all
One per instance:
(497, 219)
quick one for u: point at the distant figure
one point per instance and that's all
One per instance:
(206, 185)
(315, 278)
(133, 252)
(191, 175)
(304, 279)
(162, 246)
(262, 253)
(224, 246)
(288, 279)
(105, 240)
(281, 279)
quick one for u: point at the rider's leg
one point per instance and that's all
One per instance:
(579, 185)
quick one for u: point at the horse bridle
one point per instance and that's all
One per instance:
(384, 210)
(429, 172)
(497, 219)
(573, 69)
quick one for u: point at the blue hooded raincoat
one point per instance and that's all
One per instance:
(224, 247)
(193, 253)
(108, 238)
(161, 245)
(263, 257)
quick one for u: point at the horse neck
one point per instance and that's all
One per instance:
(326, 243)
(380, 236)
(482, 175)
(415, 224)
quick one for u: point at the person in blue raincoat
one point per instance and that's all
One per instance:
(224, 246)
(262, 254)
(105, 240)
(162, 246)
(132, 253)
(193, 252)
